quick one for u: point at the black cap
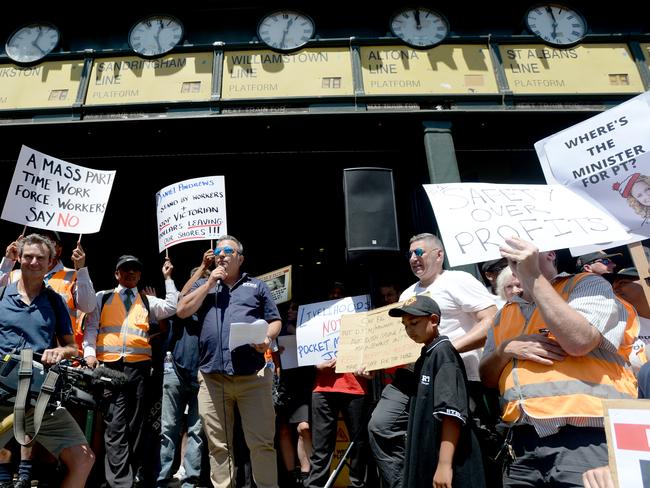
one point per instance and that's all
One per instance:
(494, 265)
(628, 273)
(419, 305)
(127, 258)
(593, 256)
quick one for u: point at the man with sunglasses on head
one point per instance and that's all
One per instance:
(467, 311)
(596, 262)
(117, 335)
(238, 377)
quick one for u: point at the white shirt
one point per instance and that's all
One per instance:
(459, 295)
(158, 309)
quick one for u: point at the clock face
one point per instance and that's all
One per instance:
(285, 30)
(419, 27)
(556, 24)
(32, 42)
(155, 35)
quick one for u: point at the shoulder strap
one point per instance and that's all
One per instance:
(20, 405)
(107, 293)
(2, 291)
(105, 296)
(145, 300)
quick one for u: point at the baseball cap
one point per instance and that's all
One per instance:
(630, 273)
(593, 256)
(128, 258)
(494, 265)
(419, 305)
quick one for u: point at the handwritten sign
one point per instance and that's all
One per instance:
(627, 426)
(319, 326)
(374, 340)
(50, 193)
(476, 218)
(191, 210)
(606, 159)
(279, 282)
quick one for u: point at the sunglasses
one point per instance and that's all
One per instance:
(419, 252)
(227, 250)
(605, 261)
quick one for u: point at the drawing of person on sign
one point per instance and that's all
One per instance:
(636, 189)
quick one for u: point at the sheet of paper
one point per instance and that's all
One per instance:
(289, 356)
(242, 333)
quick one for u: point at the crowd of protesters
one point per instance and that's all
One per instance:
(546, 346)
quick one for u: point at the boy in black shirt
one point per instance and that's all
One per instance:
(441, 449)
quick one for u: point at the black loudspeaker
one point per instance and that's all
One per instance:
(370, 217)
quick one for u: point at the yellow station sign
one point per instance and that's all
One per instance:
(306, 73)
(583, 69)
(51, 84)
(183, 77)
(446, 69)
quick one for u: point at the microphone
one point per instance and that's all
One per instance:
(102, 374)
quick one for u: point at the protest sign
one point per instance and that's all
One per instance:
(374, 340)
(289, 351)
(475, 219)
(627, 426)
(279, 282)
(606, 159)
(50, 193)
(319, 324)
(191, 210)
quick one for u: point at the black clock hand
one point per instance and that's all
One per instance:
(417, 19)
(554, 23)
(157, 35)
(285, 32)
(35, 41)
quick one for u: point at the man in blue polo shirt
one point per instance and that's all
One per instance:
(234, 377)
(34, 317)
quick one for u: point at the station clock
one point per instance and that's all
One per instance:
(285, 30)
(155, 35)
(419, 27)
(556, 24)
(32, 42)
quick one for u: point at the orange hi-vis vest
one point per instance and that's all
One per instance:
(123, 335)
(573, 387)
(63, 282)
(631, 334)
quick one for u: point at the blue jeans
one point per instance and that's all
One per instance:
(177, 396)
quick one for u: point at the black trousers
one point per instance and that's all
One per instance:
(387, 435)
(124, 424)
(325, 408)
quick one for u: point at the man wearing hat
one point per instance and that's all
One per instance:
(627, 286)
(117, 334)
(597, 262)
(467, 311)
(440, 444)
(491, 270)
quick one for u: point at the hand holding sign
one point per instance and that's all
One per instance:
(78, 257)
(12, 249)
